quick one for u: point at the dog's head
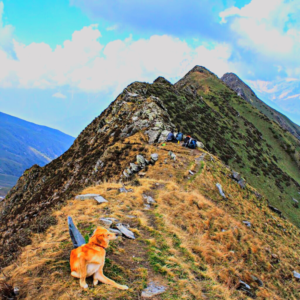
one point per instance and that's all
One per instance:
(102, 237)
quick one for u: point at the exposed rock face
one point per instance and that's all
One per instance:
(244, 91)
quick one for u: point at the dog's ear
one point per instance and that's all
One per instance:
(102, 239)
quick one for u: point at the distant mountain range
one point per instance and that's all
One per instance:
(23, 144)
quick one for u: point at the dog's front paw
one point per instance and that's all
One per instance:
(123, 287)
(84, 286)
(95, 282)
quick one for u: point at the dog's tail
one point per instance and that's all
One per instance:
(76, 237)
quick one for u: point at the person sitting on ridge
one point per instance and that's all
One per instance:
(171, 137)
(186, 141)
(179, 136)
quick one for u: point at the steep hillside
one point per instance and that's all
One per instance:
(243, 90)
(23, 144)
(194, 241)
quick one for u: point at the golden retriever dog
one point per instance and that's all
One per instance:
(89, 259)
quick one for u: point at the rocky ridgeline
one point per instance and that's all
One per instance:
(100, 152)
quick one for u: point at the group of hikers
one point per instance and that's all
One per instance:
(188, 142)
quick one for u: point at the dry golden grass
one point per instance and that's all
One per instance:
(192, 240)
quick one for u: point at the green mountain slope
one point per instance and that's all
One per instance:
(267, 156)
(23, 144)
(243, 90)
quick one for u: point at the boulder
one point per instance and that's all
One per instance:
(141, 160)
(76, 237)
(125, 231)
(236, 176)
(296, 275)
(242, 183)
(100, 199)
(276, 210)
(218, 185)
(163, 136)
(153, 289)
(106, 221)
(134, 167)
(154, 157)
(247, 223)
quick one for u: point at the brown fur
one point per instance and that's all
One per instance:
(88, 260)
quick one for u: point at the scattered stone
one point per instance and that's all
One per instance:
(244, 285)
(247, 223)
(276, 210)
(242, 183)
(191, 172)
(123, 190)
(149, 199)
(16, 291)
(129, 234)
(100, 199)
(130, 216)
(134, 167)
(141, 160)
(125, 174)
(258, 281)
(86, 196)
(141, 174)
(116, 231)
(107, 222)
(154, 157)
(172, 155)
(218, 185)
(295, 203)
(296, 275)
(236, 176)
(153, 289)
(76, 237)
(147, 206)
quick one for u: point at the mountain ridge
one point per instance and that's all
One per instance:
(236, 135)
(244, 91)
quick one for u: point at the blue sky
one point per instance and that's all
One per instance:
(63, 61)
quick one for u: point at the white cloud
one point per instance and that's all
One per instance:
(113, 27)
(269, 29)
(84, 63)
(59, 95)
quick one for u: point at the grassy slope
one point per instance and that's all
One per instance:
(266, 155)
(193, 241)
(23, 144)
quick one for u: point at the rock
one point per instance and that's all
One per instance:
(200, 145)
(153, 289)
(247, 223)
(149, 199)
(76, 237)
(107, 222)
(86, 196)
(125, 174)
(242, 183)
(141, 174)
(295, 203)
(259, 282)
(116, 231)
(147, 206)
(134, 167)
(236, 176)
(296, 275)
(191, 172)
(244, 286)
(141, 160)
(276, 210)
(123, 190)
(1, 199)
(100, 199)
(129, 234)
(172, 155)
(218, 185)
(154, 157)
(163, 136)
(16, 291)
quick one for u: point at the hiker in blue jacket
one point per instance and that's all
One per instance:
(171, 137)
